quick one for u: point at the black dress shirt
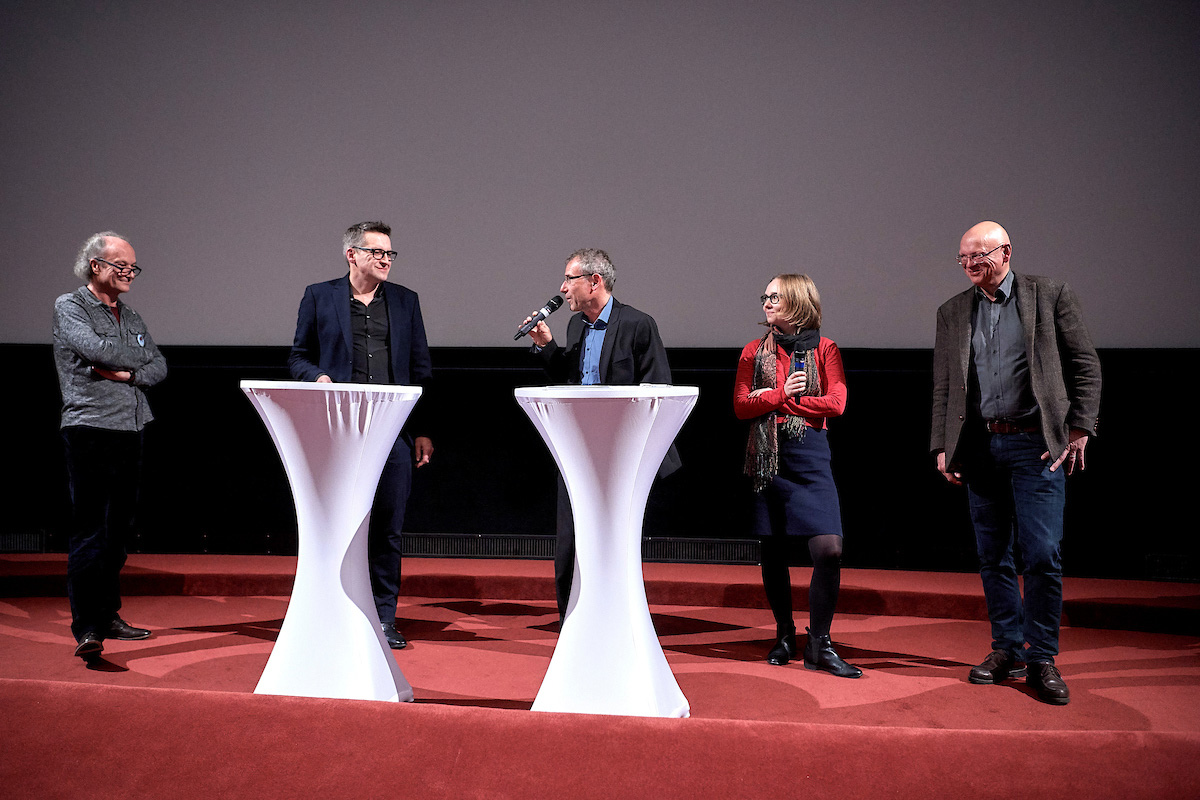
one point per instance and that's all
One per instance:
(369, 326)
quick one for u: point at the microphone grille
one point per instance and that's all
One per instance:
(555, 303)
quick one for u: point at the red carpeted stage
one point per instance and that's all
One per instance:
(175, 716)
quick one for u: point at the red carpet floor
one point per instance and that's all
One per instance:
(911, 727)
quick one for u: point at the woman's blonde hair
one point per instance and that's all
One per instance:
(800, 301)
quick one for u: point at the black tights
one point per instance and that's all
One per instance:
(778, 553)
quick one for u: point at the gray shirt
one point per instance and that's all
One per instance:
(87, 333)
(998, 356)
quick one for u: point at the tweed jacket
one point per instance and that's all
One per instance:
(1064, 370)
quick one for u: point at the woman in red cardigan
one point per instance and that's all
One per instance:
(788, 383)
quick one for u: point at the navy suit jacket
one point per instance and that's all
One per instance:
(324, 341)
(633, 353)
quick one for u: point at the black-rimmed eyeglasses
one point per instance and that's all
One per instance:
(773, 297)
(133, 269)
(377, 253)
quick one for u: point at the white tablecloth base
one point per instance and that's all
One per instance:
(608, 443)
(333, 440)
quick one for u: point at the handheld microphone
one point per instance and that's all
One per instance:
(797, 361)
(551, 306)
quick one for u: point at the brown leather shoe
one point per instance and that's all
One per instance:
(1048, 682)
(999, 664)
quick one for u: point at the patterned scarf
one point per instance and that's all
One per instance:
(762, 446)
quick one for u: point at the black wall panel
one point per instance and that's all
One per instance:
(214, 483)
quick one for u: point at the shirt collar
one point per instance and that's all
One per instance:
(1003, 291)
(86, 293)
(601, 321)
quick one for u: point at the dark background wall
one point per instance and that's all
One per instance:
(214, 483)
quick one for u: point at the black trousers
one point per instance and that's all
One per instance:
(384, 536)
(104, 470)
(564, 549)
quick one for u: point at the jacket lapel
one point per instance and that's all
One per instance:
(963, 323)
(394, 312)
(610, 335)
(342, 306)
(1027, 307)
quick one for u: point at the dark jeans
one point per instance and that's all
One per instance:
(384, 538)
(1014, 496)
(104, 471)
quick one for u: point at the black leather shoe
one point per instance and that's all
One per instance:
(395, 639)
(819, 654)
(120, 629)
(1048, 682)
(89, 646)
(784, 650)
(999, 664)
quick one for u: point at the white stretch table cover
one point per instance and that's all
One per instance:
(609, 442)
(333, 439)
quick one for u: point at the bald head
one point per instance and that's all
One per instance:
(984, 253)
(989, 233)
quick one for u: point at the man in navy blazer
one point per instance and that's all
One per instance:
(629, 352)
(1016, 395)
(361, 329)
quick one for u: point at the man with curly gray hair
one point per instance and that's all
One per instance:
(105, 360)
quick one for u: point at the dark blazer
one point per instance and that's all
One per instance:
(633, 353)
(1064, 369)
(324, 342)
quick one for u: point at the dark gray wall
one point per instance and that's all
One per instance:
(707, 145)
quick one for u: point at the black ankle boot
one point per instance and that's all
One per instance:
(819, 654)
(784, 650)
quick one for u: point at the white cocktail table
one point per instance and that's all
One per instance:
(608, 442)
(333, 439)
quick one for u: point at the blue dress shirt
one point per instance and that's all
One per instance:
(593, 343)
